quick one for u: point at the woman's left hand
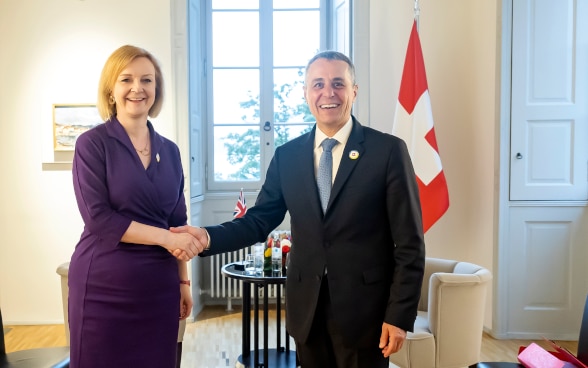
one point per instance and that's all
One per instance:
(186, 301)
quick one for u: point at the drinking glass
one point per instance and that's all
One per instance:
(249, 264)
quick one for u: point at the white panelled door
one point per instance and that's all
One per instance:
(549, 136)
(546, 254)
(547, 280)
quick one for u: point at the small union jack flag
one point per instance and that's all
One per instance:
(241, 207)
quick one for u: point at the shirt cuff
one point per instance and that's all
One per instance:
(208, 237)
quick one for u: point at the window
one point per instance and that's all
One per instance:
(254, 58)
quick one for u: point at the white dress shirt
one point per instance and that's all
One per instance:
(341, 136)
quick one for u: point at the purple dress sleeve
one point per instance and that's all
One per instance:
(91, 190)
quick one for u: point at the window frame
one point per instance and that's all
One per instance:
(330, 11)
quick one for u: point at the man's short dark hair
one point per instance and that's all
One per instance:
(334, 55)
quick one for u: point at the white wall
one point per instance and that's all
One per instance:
(52, 52)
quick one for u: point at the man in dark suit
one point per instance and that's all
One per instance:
(356, 267)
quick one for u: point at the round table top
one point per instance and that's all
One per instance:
(230, 270)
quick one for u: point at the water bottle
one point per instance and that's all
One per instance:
(276, 260)
(258, 249)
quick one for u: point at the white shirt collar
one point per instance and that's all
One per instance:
(342, 135)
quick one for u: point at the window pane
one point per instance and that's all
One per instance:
(235, 36)
(296, 4)
(235, 4)
(236, 96)
(284, 133)
(289, 103)
(236, 153)
(295, 48)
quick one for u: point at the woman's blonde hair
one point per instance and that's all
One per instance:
(114, 65)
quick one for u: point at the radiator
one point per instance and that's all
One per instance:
(222, 287)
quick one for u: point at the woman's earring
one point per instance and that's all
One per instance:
(111, 100)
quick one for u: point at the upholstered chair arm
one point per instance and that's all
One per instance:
(456, 304)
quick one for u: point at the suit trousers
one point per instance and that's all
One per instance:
(325, 348)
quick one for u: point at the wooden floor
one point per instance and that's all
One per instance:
(213, 340)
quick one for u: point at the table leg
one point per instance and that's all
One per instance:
(279, 317)
(265, 327)
(256, 329)
(246, 323)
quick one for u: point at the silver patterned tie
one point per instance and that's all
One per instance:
(325, 171)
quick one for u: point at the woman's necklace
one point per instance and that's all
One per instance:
(144, 151)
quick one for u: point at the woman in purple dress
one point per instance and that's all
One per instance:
(127, 292)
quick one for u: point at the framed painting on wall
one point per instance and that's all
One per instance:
(71, 120)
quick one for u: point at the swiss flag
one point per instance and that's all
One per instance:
(413, 122)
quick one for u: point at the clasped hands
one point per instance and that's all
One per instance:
(187, 242)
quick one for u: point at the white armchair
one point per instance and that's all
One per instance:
(448, 329)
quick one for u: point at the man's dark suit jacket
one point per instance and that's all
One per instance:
(370, 239)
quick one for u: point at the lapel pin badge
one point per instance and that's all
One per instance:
(157, 157)
(354, 155)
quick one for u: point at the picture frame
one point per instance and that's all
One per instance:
(71, 120)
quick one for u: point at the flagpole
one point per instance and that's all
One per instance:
(417, 12)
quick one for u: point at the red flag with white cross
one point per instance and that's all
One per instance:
(413, 122)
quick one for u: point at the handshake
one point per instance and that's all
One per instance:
(186, 242)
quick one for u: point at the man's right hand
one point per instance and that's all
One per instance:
(196, 234)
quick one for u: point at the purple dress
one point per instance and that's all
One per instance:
(124, 299)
